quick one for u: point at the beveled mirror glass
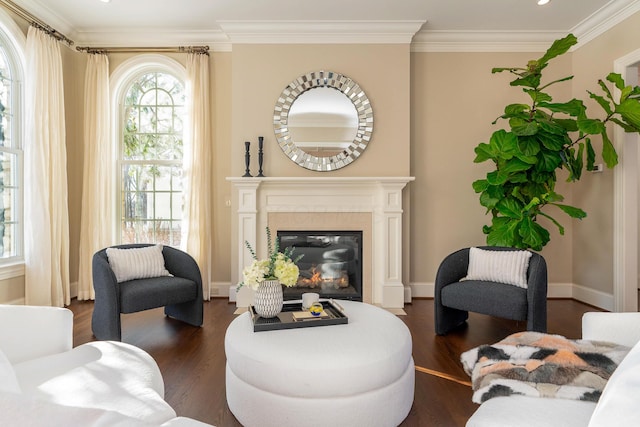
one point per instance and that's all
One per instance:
(323, 121)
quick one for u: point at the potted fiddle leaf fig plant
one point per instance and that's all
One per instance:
(543, 137)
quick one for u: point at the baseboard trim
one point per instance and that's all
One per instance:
(593, 297)
(219, 289)
(589, 296)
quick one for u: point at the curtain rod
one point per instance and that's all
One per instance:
(36, 22)
(179, 49)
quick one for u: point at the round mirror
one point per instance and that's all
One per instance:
(323, 121)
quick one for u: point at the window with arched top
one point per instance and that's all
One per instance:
(150, 158)
(11, 154)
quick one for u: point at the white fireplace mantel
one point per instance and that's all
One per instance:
(254, 199)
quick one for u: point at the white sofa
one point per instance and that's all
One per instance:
(618, 406)
(46, 382)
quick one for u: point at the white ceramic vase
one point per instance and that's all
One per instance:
(268, 299)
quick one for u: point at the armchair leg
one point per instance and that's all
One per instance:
(189, 312)
(105, 325)
(448, 319)
(537, 322)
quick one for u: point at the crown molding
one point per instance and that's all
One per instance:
(45, 14)
(315, 32)
(596, 24)
(483, 41)
(604, 19)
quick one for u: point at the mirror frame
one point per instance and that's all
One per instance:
(338, 82)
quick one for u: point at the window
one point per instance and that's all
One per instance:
(150, 159)
(11, 166)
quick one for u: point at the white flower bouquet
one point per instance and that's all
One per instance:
(278, 266)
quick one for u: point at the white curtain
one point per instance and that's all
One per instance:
(45, 201)
(196, 224)
(96, 220)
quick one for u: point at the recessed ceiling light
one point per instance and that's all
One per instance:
(540, 2)
(108, 1)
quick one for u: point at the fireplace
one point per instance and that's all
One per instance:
(371, 204)
(331, 263)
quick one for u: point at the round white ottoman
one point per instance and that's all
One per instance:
(358, 374)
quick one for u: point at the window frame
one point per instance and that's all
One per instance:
(13, 44)
(122, 79)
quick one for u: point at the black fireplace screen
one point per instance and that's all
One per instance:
(331, 265)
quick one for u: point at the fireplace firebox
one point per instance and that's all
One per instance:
(331, 264)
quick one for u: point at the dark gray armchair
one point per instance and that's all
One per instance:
(180, 295)
(454, 299)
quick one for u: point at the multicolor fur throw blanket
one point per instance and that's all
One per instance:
(542, 365)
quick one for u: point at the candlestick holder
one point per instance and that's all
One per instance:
(260, 155)
(247, 158)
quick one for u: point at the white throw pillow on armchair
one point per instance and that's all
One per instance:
(508, 267)
(137, 263)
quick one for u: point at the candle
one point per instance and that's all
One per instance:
(260, 142)
(246, 145)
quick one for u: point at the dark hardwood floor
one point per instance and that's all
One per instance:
(192, 360)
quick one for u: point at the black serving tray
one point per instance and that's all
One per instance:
(285, 320)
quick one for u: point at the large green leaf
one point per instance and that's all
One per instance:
(627, 127)
(518, 178)
(574, 163)
(504, 144)
(533, 234)
(510, 207)
(488, 201)
(559, 47)
(515, 109)
(531, 160)
(480, 185)
(528, 80)
(537, 96)
(570, 125)
(616, 79)
(560, 227)
(503, 232)
(553, 127)
(522, 127)
(549, 161)
(515, 165)
(574, 108)
(591, 126)
(484, 152)
(497, 178)
(591, 155)
(529, 146)
(606, 106)
(629, 110)
(564, 79)
(605, 89)
(552, 142)
(491, 196)
(572, 211)
(609, 154)
(625, 92)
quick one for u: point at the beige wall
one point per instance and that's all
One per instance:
(593, 237)
(260, 72)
